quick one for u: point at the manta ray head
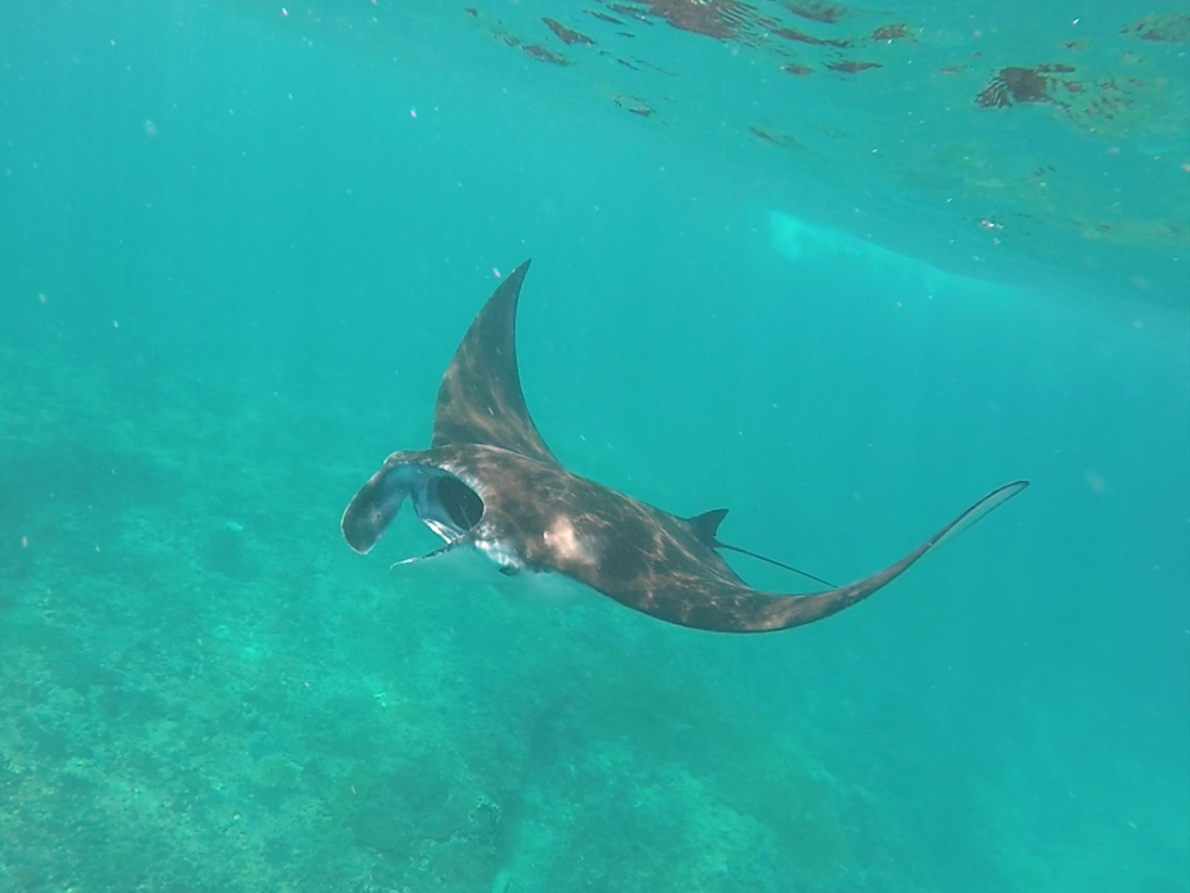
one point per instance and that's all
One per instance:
(445, 504)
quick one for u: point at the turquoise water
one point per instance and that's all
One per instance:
(237, 249)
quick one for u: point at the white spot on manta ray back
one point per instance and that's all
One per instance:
(561, 538)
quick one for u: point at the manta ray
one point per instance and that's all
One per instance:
(489, 483)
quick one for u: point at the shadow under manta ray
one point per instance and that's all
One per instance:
(489, 481)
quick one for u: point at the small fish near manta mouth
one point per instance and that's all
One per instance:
(488, 481)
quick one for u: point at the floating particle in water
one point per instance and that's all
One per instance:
(850, 66)
(783, 140)
(568, 36)
(656, 68)
(634, 104)
(889, 33)
(626, 10)
(603, 17)
(542, 54)
(714, 18)
(1011, 85)
(1167, 28)
(818, 11)
(801, 37)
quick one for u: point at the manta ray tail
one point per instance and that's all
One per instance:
(746, 610)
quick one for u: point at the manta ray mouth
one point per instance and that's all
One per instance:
(459, 502)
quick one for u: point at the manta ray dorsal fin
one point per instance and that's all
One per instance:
(480, 399)
(706, 526)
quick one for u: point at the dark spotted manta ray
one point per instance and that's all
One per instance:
(489, 483)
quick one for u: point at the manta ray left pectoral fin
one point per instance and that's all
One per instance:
(480, 399)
